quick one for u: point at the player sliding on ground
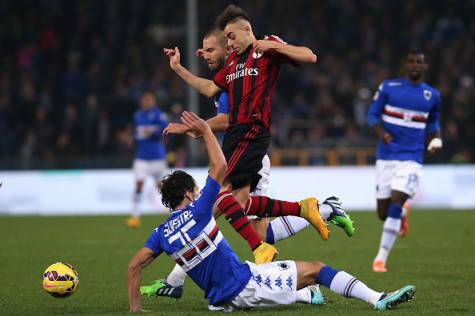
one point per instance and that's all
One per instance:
(190, 236)
(249, 76)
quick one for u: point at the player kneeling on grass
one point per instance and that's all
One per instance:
(190, 236)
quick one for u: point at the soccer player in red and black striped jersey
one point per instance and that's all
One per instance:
(249, 76)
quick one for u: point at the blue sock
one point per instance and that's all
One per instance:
(326, 275)
(270, 235)
(394, 211)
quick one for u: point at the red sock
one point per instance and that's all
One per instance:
(263, 206)
(235, 215)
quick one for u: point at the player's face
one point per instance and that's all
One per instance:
(213, 52)
(191, 196)
(147, 101)
(416, 66)
(237, 36)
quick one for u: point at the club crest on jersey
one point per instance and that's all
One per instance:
(283, 266)
(257, 54)
(427, 94)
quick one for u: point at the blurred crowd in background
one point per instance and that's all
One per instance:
(71, 73)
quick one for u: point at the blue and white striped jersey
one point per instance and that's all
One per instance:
(149, 147)
(190, 236)
(407, 111)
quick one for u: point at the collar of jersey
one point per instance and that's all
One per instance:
(178, 210)
(409, 82)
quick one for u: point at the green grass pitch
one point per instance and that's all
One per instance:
(438, 256)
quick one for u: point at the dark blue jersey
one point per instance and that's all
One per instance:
(190, 236)
(149, 146)
(222, 102)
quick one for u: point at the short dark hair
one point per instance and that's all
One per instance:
(230, 14)
(218, 33)
(174, 186)
(148, 91)
(416, 51)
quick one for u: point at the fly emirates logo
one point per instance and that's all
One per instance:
(241, 72)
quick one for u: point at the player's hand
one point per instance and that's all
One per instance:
(175, 128)
(194, 122)
(435, 146)
(174, 56)
(194, 134)
(387, 138)
(147, 133)
(199, 52)
(264, 46)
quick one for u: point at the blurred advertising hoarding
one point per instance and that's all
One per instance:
(104, 192)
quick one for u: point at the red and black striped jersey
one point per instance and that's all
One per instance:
(250, 80)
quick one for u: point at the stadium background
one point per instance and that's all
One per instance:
(71, 73)
(70, 76)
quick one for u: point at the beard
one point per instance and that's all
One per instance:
(415, 75)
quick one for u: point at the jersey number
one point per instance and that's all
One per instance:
(193, 251)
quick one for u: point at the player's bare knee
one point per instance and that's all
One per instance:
(382, 208)
(307, 273)
(138, 186)
(260, 225)
(382, 214)
(318, 265)
(398, 198)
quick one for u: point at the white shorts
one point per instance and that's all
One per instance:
(271, 284)
(149, 168)
(397, 175)
(263, 185)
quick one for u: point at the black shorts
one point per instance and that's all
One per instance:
(244, 146)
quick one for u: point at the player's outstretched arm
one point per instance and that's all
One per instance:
(204, 86)
(299, 54)
(219, 123)
(175, 128)
(142, 259)
(217, 162)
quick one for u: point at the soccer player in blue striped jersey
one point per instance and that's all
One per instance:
(150, 154)
(405, 116)
(192, 239)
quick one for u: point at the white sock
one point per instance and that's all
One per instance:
(325, 210)
(346, 285)
(388, 237)
(287, 226)
(136, 200)
(304, 296)
(177, 276)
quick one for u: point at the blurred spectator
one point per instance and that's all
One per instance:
(71, 72)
